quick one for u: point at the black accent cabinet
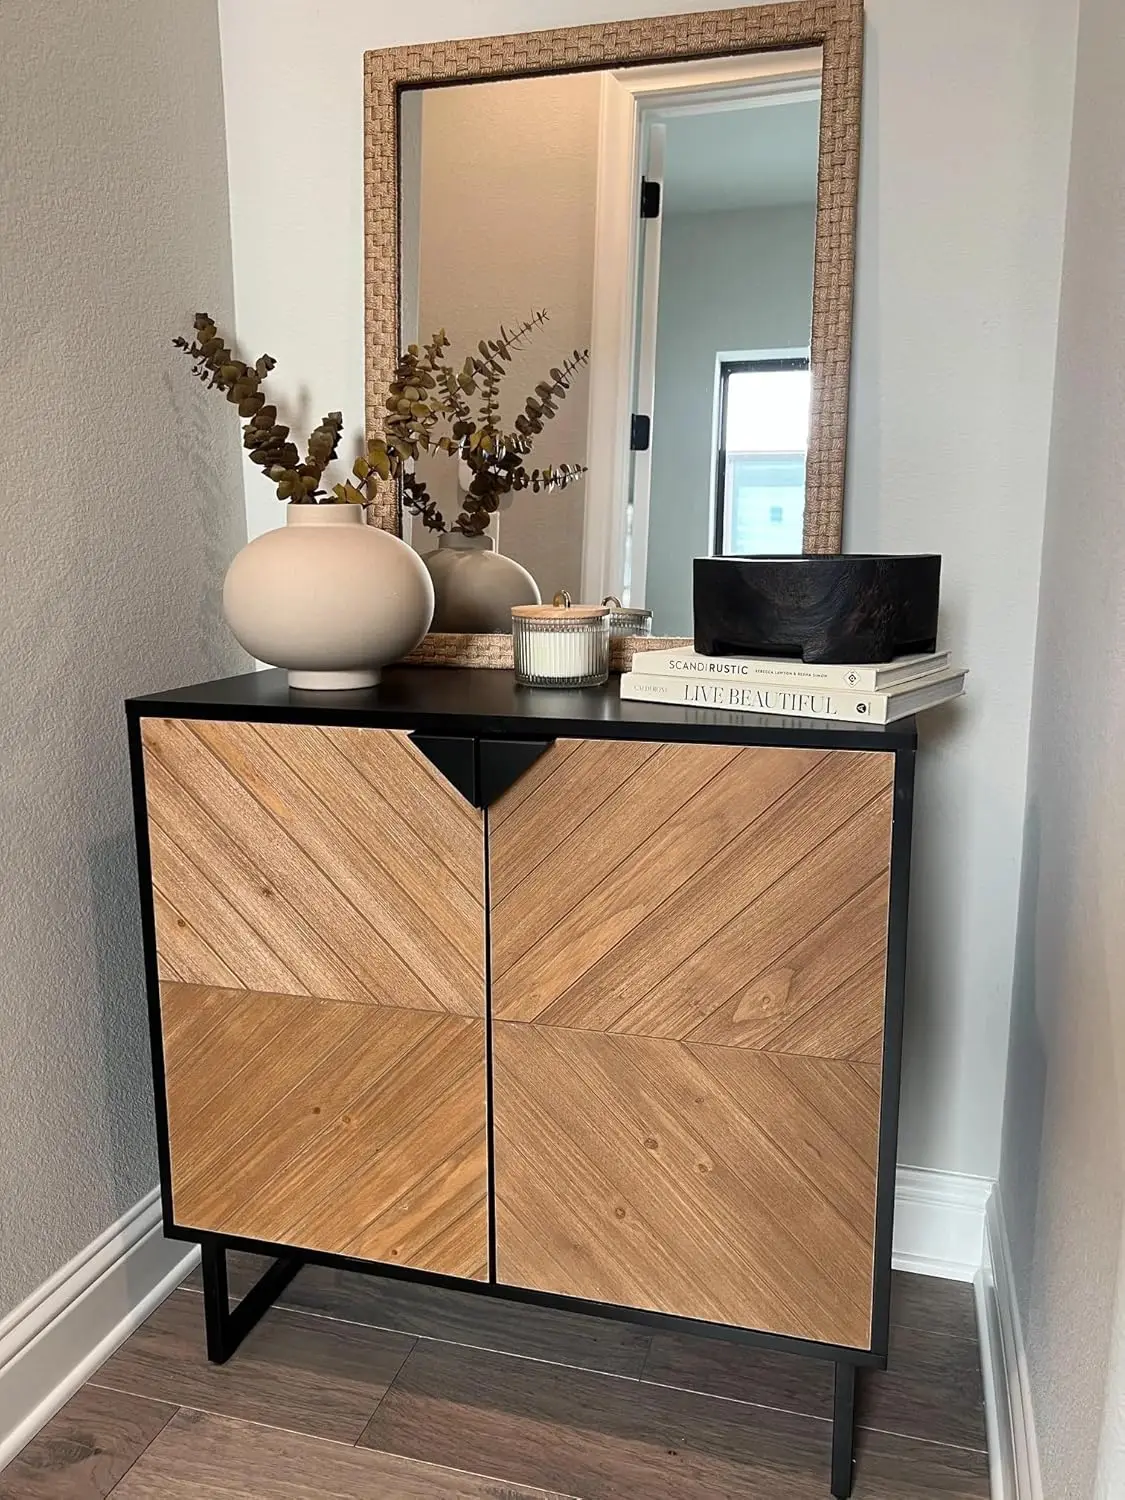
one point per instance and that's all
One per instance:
(544, 994)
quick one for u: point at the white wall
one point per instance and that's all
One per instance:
(1063, 1168)
(119, 510)
(530, 147)
(964, 155)
(734, 281)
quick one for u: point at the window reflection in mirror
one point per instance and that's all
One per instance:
(527, 193)
(760, 462)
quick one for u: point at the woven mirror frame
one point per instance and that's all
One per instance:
(836, 26)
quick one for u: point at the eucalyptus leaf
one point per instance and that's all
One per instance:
(426, 391)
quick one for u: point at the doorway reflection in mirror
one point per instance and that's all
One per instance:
(666, 216)
(731, 347)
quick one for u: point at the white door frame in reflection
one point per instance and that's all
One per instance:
(623, 337)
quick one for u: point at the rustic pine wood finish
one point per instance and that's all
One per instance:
(689, 968)
(310, 861)
(351, 1128)
(323, 1034)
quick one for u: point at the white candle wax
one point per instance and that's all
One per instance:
(560, 653)
(572, 654)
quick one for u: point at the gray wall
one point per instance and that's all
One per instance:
(119, 508)
(728, 282)
(1062, 1178)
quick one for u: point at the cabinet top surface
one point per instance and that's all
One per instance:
(466, 701)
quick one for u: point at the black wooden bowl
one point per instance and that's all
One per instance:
(848, 607)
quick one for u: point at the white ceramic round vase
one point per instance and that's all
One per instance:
(475, 586)
(328, 597)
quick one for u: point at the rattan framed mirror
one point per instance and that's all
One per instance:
(835, 27)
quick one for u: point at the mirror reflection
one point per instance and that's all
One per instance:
(664, 218)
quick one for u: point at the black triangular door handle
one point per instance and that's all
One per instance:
(480, 781)
(503, 762)
(455, 757)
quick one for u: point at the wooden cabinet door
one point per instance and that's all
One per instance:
(319, 919)
(688, 964)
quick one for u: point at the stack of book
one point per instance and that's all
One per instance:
(872, 692)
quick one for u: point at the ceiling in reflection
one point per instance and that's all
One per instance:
(764, 156)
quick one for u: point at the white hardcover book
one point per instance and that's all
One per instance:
(799, 702)
(870, 677)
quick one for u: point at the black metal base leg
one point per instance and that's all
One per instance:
(843, 1431)
(227, 1326)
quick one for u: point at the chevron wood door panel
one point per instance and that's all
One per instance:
(688, 993)
(339, 1126)
(303, 860)
(706, 1182)
(603, 913)
(318, 897)
(748, 882)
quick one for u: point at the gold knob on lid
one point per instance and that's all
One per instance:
(612, 599)
(561, 600)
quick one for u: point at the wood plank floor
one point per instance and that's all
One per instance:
(361, 1389)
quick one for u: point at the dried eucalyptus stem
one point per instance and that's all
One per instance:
(297, 479)
(429, 410)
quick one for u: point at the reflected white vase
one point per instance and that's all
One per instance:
(475, 586)
(328, 597)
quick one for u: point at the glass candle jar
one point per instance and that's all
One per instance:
(626, 621)
(560, 645)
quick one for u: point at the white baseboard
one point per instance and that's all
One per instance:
(1012, 1447)
(939, 1223)
(54, 1341)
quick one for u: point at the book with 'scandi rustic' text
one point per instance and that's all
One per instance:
(862, 677)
